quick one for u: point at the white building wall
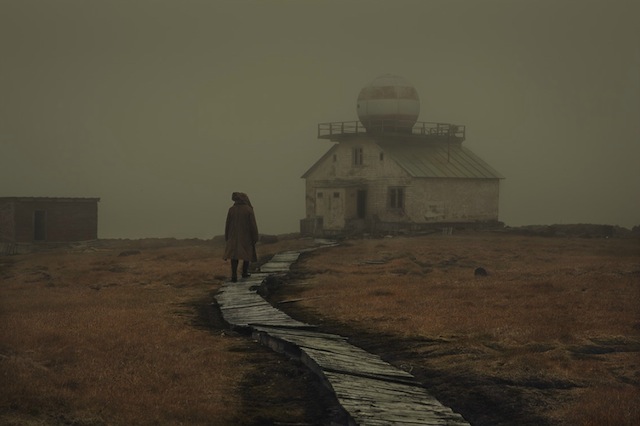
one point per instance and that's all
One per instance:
(375, 174)
(340, 163)
(454, 200)
(427, 200)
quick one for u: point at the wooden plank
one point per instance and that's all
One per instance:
(290, 334)
(371, 401)
(372, 391)
(355, 365)
(287, 256)
(257, 315)
(275, 267)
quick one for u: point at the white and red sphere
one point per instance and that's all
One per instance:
(388, 103)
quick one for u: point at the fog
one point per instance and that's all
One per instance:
(164, 108)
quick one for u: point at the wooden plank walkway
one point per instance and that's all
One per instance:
(370, 390)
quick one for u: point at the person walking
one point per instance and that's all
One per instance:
(241, 235)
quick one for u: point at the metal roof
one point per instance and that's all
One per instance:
(438, 160)
(50, 199)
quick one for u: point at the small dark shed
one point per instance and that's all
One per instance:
(33, 219)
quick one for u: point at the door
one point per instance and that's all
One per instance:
(361, 207)
(330, 206)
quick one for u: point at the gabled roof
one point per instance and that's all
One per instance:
(430, 160)
(438, 160)
(320, 160)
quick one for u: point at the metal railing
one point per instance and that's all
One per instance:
(420, 128)
(340, 128)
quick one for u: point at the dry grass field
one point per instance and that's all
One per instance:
(123, 332)
(551, 335)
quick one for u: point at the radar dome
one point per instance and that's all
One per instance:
(388, 104)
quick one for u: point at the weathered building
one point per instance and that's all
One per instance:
(389, 172)
(33, 219)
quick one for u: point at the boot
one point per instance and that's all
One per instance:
(234, 270)
(245, 269)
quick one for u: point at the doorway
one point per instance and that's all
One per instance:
(361, 204)
(39, 225)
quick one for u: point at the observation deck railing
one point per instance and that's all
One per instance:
(428, 130)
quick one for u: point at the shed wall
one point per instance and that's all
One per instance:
(64, 220)
(7, 223)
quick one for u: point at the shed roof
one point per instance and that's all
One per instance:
(438, 160)
(50, 199)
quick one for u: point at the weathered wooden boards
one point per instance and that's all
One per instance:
(376, 402)
(280, 262)
(371, 391)
(241, 306)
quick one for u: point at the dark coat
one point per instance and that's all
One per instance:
(241, 231)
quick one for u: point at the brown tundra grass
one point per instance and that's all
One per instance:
(88, 337)
(564, 312)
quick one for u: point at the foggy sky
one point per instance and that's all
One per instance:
(164, 108)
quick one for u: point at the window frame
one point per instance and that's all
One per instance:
(396, 196)
(357, 154)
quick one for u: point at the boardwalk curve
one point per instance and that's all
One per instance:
(370, 390)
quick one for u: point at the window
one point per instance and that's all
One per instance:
(382, 156)
(319, 195)
(335, 157)
(357, 156)
(336, 195)
(396, 198)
